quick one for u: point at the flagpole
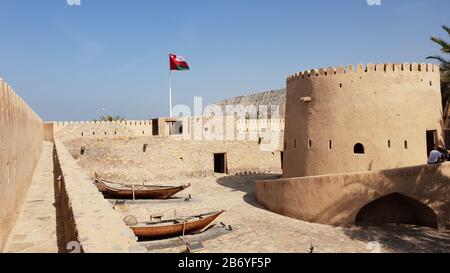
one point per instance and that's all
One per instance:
(170, 92)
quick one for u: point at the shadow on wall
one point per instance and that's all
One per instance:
(400, 224)
(410, 224)
(246, 184)
(413, 183)
(399, 209)
(422, 191)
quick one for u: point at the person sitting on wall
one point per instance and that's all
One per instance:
(438, 155)
(447, 155)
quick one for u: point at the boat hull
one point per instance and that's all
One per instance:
(129, 193)
(167, 231)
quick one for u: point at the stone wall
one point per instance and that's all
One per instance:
(21, 137)
(396, 208)
(228, 128)
(268, 98)
(87, 218)
(337, 199)
(48, 131)
(169, 159)
(97, 129)
(193, 128)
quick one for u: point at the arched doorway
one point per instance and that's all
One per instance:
(359, 149)
(399, 209)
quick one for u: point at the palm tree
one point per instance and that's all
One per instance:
(445, 66)
(110, 118)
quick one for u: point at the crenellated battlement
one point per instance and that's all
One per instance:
(21, 142)
(149, 122)
(8, 91)
(98, 129)
(124, 122)
(361, 69)
(204, 127)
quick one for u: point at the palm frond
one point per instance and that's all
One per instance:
(446, 28)
(445, 78)
(444, 65)
(110, 118)
(445, 47)
(444, 62)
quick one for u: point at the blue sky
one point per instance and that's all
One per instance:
(69, 62)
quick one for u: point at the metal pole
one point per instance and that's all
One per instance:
(170, 92)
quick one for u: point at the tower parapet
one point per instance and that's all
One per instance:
(360, 118)
(362, 69)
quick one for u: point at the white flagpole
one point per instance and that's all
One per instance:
(170, 92)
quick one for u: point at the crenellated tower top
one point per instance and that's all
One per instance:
(361, 69)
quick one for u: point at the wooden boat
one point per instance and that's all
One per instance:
(174, 227)
(127, 191)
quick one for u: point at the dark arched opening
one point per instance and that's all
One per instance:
(359, 149)
(399, 209)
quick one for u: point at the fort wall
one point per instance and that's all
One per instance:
(222, 128)
(364, 118)
(193, 128)
(21, 138)
(337, 199)
(271, 99)
(169, 159)
(101, 129)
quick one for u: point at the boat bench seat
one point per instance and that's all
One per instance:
(155, 218)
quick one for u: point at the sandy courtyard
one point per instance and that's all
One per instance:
(258, 230)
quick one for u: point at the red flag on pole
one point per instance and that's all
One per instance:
(177, 62)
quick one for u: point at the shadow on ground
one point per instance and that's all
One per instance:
(246, 184)
(399, 238)
(403, 238)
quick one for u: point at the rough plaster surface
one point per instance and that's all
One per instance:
(168, 159)
(36, 228)
(337, 199)
(194, 128)
(99, 228)
(372, 105)
(90, 129)
(268, 98)
(21, 137)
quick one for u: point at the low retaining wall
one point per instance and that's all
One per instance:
(337, 199)
(87, 218)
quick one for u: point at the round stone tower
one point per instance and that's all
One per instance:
(373, 117)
